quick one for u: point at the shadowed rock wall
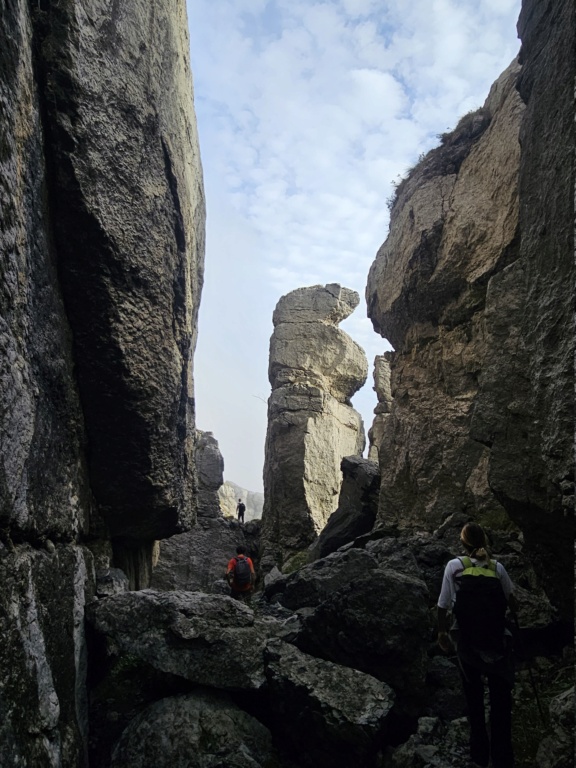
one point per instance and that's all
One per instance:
(101, 239)
(314, 369)
(474, 289)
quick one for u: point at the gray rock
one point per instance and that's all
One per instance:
(377, 623)
(314, 369)
(339, 714)
(557, 749)
(210, 640)
(43, 655)
(474, 289)
(210, 469)
(200, 730)
(311, 584)
(197, 560)
(229, 494)
(357, 507)
(111, 581)
(384, 407)
(128, 234)
(434, 745)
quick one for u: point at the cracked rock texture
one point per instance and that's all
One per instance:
(314, 369)
(384, 406)
(474, 289)
(210, 471)
(101, 242)
(194, 731)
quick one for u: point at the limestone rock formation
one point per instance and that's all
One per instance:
(101, 236)
(229, 493)
(197, 560)
(360, 613)
(339, 714)
(314, 369)
(357, 507)
(210, 470)
(473, 288)
(210, 640)
(382, 410)
(194, 730)
(453, 227)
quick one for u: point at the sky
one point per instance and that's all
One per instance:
(309, 112)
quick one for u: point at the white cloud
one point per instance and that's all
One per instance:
(307, 110)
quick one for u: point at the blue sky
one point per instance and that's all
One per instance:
(307, 113)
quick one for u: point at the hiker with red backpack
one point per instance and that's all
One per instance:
(240, 575)
(477, 592)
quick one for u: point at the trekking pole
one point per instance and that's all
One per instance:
(530, 673)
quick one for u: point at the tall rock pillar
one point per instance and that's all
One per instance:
(314, 370)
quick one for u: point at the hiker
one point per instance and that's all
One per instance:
(241, 575)
(240, 509)
(477, 591)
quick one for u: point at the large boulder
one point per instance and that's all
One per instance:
(379, 624)
(199, 730)
(340, 715)
(311, 584)
(197, 560)
(357, 506)
(127, 221)
(210, 640)
(314, 369)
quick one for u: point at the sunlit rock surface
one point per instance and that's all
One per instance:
(474, 289)
(314, 370)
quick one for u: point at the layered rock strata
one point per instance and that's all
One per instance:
(314, 370)
(210, 471)
(384, 406)
(101, 235)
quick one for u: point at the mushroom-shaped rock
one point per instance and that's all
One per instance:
(314, 369)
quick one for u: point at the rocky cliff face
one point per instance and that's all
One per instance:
(473, 288)
(229, 493)
(314, 370)
(101, 235)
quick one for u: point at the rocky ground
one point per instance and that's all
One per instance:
(334, 664)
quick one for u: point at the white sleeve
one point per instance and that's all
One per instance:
(505, 580)
(448, 591)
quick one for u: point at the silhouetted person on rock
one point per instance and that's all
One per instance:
(240, 575)
(240, 509)
(477, 591)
